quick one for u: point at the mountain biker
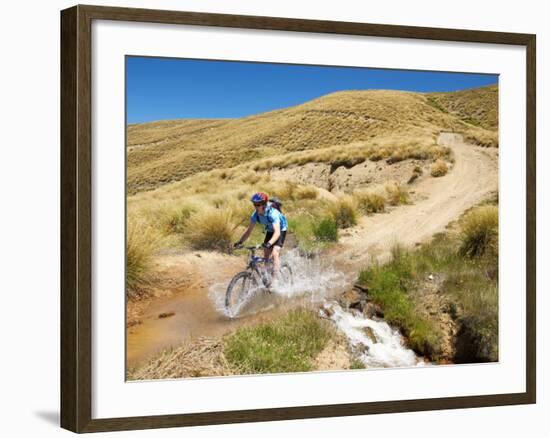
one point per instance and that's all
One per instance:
(275, 225)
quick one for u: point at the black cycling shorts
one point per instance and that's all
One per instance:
(280, 241)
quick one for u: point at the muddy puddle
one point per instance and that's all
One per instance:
(200, 311)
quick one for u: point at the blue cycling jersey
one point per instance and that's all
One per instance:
(270, 217)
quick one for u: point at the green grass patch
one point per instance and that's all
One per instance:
(309, 238)
(469, 284)
(389, 287)
(287, 344)
(356, 364)
(326, 230)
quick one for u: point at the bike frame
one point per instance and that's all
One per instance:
(255, 263)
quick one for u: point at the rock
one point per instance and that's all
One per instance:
(326, 312)
(166, 314)
(360, 289)
(362, 348)
(369, 332)
(371, 310)
(351, 298)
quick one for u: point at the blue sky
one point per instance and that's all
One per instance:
(168, 88)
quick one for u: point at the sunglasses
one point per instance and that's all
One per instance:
(258, 205)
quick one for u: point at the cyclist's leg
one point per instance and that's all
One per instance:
(277, 247)
(276, 260)
(267, 252)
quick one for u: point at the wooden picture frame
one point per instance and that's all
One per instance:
(76, 217)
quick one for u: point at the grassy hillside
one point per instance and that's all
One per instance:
(189, 181)
(477, 106)
(167, 151)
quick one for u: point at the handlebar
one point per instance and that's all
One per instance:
(249, 248)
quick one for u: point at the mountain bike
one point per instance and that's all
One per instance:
(258, 273)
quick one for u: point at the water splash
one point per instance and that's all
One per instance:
(375, 343)
(314, 279)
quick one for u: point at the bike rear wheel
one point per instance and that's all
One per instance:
(238, 291)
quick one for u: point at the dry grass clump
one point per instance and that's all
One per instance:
(203, 357)
(479, 232)
(481, 137)
(211, 229)
(282, 189)
(175, 220)
(370, 201)
(344, 211)
(379, 154)
(439, 168)
(306, 192)
(417, 172)
(241, 210)
(396, 194)
(141, 242)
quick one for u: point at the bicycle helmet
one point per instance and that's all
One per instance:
(259, 197)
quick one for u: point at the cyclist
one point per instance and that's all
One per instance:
(275, 226)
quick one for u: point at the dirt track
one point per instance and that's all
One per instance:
(436, 202)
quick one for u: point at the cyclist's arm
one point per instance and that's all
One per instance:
(248, 231)
(276, 232)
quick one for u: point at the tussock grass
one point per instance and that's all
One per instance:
(284, 190)
(287, 344)
(175, 220)
(211, 229)
(344, 211)
(439, 168)
(141, 242)
(306, 192)
(481, 137)
(396, 194)
(370, 201)
(240, 211)
(479, 231)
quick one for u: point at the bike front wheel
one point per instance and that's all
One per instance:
(286, 274)
(238, 292)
